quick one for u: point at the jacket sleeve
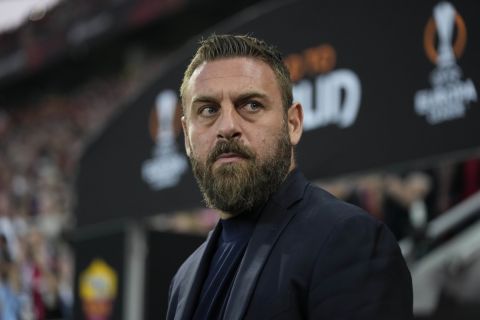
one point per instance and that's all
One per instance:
(360, 273)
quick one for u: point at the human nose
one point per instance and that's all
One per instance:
(228, 126)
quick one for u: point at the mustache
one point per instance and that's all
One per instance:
(229, 146)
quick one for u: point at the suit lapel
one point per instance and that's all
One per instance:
(194, 277)
(273, 220)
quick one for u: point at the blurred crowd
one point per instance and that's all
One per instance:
(41, 141)
(406, 201)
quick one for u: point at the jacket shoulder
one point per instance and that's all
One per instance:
(322, 207)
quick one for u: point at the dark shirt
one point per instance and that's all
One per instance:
(224, 264)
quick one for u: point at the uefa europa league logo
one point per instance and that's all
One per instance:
(449, 95)
(165, 105)
(167, 165)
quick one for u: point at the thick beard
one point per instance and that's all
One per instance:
(238, 187)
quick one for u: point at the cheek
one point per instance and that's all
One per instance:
(271, 141)
(200, 146)
(265, 144)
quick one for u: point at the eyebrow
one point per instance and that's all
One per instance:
(250, 95)
(198, 99)
(241, 97)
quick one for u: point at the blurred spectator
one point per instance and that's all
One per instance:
(9, 297)
(405, 211)
(5, 257)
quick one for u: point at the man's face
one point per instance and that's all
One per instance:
(237, 135)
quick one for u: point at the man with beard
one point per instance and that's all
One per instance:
(283, 248)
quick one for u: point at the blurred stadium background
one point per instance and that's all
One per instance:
(97, 205)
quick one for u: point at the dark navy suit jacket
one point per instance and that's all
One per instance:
(311, 256)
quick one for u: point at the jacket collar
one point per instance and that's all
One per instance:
(270, 225)
(273, 219)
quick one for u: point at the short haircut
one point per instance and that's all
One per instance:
(230, 46)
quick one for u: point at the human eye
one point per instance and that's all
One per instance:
(207, 111)
(252, 106)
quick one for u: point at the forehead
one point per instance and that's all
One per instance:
(232, 75)
(234, 66)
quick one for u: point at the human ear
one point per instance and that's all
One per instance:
(295, 122)
(185, 137)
